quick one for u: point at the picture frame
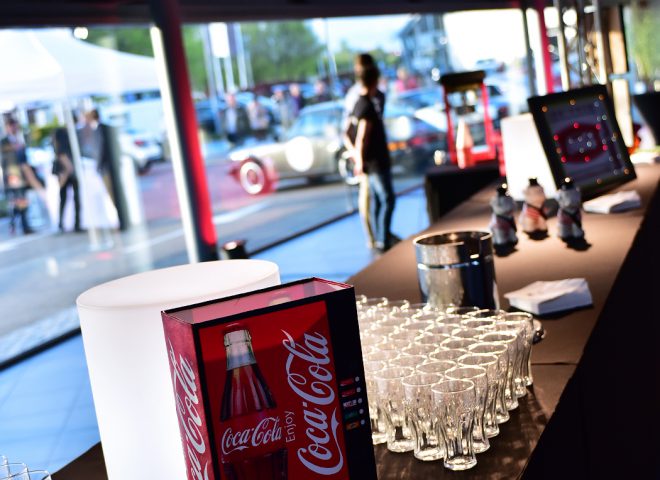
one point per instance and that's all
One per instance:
(582, 140)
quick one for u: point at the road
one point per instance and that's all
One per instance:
(55, 268)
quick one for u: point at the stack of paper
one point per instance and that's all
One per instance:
(541, 298)
(616, 202)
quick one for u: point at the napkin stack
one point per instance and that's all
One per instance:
(616, 202)
(541, 298)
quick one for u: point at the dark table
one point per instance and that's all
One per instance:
(578, 444)
(591, 372)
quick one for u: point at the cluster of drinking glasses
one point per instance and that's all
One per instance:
(20, 471)
(441, 381)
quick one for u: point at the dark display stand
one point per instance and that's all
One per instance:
(447, 186)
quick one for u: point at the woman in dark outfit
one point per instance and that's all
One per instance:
(372, 157)
(63, 168)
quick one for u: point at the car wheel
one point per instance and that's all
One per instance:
(142, 169)
(345, 166)
(253, 177)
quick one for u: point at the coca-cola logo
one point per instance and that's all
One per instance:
(187, 402)
(268, 430)
(309, 377)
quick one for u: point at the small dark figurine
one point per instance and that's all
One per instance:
(502, 222)
(570, 215)
(533, 218)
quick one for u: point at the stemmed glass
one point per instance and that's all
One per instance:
(455, 404)
(419, 407)
(391, 400)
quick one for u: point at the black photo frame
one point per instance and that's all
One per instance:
(582, 140)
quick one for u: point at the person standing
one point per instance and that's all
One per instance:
(235, 120)
(66, 175)
(98, 141)
(372, 158)
(17, 175)
(298, 101)
(350, 125)
(259, 118)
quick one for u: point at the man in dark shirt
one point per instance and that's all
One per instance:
(372, 157)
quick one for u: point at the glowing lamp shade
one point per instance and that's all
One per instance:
(127, 359)
(524, 156)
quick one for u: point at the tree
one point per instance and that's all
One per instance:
(125, 39)
(281, 51)
(138, 41)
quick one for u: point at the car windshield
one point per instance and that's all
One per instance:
(317, 122)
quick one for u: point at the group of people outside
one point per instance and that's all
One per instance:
(254, 119)
(96, 143)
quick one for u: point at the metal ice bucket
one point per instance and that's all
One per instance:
(457, 268)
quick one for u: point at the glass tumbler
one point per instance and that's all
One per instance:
(454, 310)
(377, 419)
(419, 407)
(461, 344)
(493, 314)
(518, 328)
(501, 351)
(9, 469)
(398, 305)
(445, 354)
(491, 364)
(437, 367)
(528, 320)
(510, 339)
(455, 403)
(31, 475)
(391, 399)
(476, 375)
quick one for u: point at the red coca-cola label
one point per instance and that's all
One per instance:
(189, 406)
(259, 433)
(310, 376)
(300, 436)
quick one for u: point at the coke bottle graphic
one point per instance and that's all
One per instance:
(252, 444)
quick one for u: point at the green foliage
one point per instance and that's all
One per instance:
(194, 46)
(136, 39)
(281, 51)
(125, 39)
(646, 39)
(38, 134)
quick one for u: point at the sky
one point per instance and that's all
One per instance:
(500, 33)
(363, 33)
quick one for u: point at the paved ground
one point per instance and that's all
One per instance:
(41, 275)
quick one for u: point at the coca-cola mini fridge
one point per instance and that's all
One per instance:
(270, 385)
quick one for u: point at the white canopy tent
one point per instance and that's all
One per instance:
(51, 65)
